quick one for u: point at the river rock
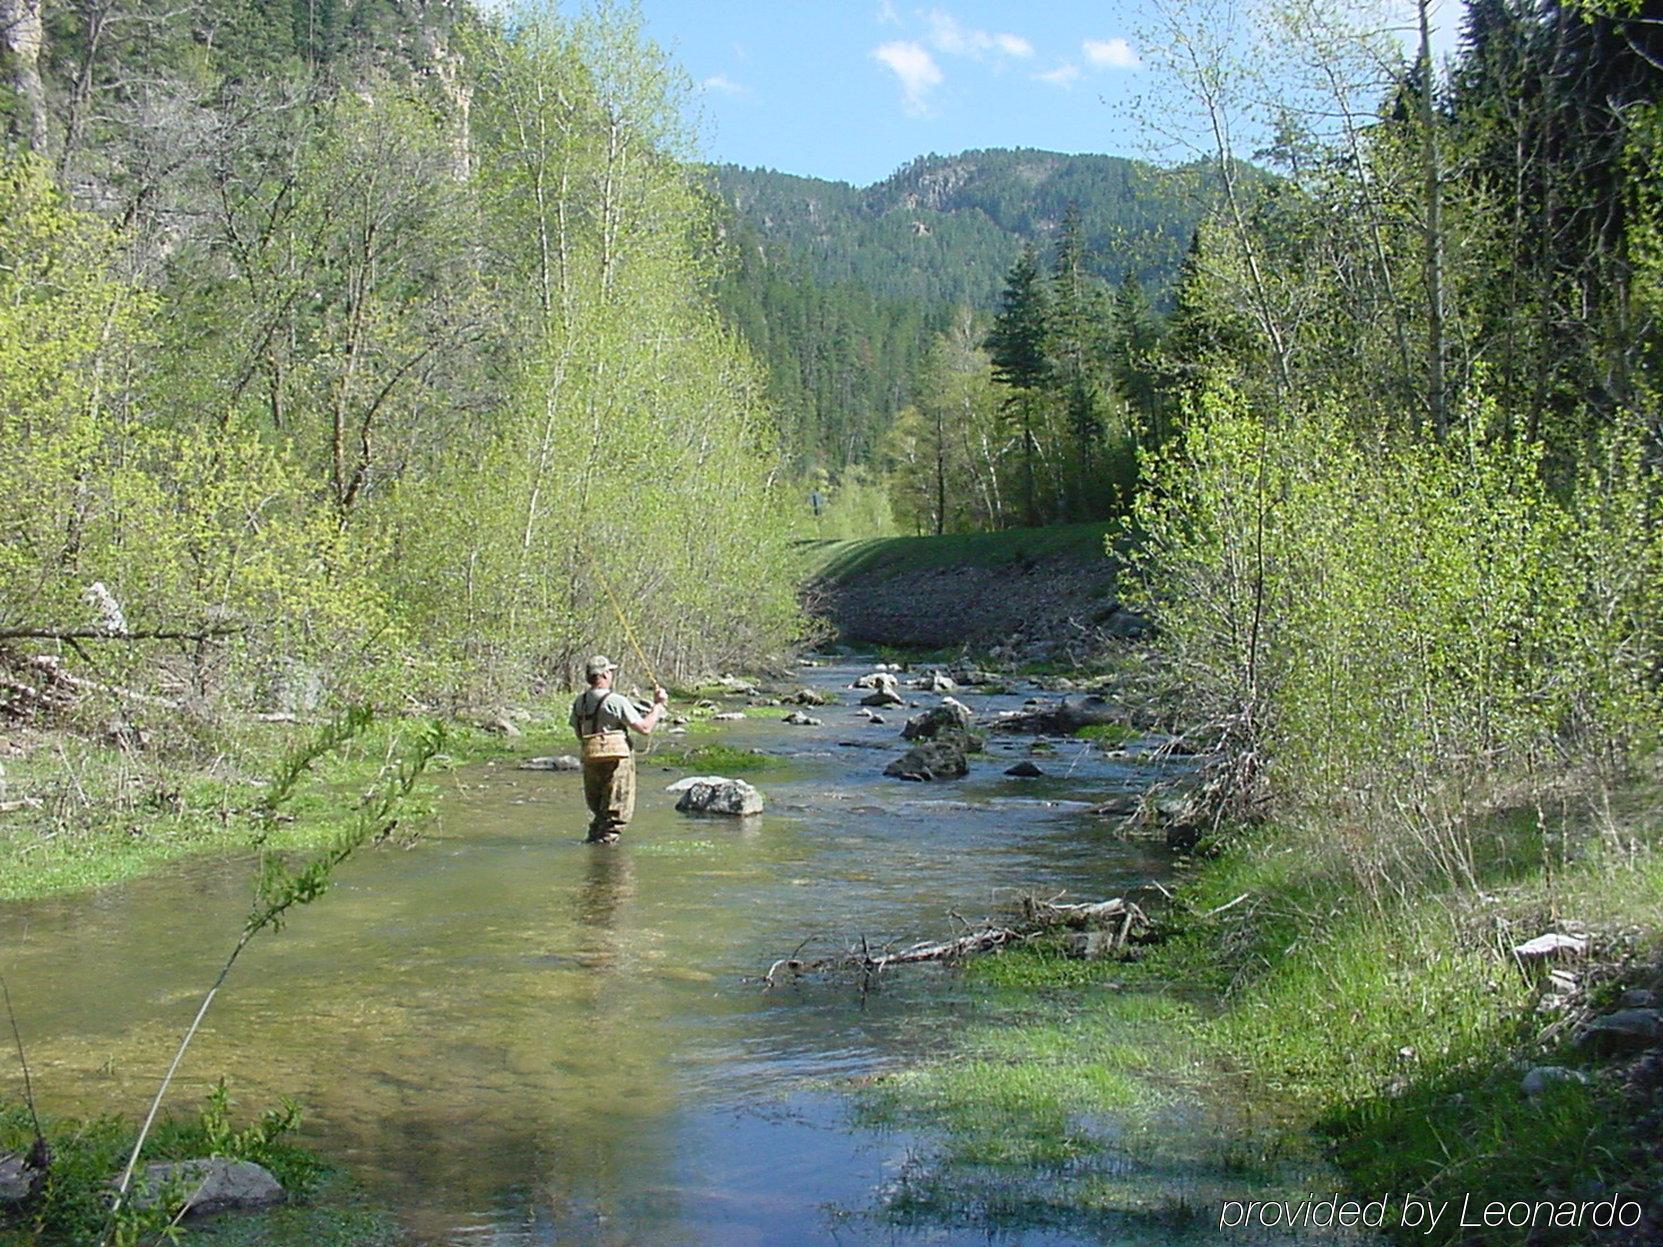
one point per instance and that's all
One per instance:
(735, 685)
(798, 719)
(720, 796)
(1127, 625)
(883, 697)
(557, 762)
(17, 1180)
(1627, 1030)
(974, 676)
(1025, 770)
(950, 718)
(1551, 946)
(211, 1185)
(1542, 1077)
(682, 785)
(930, 760)
(501, 724)
(1071, 714)
(935, 682)
(727, 716)
(1638, 998)
(809, 697)
(882, 681)
(1089, 945)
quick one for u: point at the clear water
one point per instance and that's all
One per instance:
(513, 1037)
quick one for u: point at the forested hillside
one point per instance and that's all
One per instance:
(945, 229)
(841, 289)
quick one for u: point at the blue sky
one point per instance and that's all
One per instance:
(852, 89)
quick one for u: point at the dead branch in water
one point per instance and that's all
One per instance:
(1035, 917)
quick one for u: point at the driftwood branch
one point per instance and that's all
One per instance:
(1034, 917)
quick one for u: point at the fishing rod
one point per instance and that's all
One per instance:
(623, 622)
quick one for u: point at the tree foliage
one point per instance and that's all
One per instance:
(370, 355)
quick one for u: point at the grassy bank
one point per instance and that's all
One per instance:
(1389, 1035)
(893, 556)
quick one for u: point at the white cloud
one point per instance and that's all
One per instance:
(916, 69)
(1063, 76)
(724, 85)
(1113, 53)
(950, 36)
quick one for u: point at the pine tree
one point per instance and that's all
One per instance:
(1017, 345)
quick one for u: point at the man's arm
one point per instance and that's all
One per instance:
(646, 723)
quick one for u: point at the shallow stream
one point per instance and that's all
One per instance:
(515, 1038)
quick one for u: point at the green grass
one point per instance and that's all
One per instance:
(887, 556)
(715, 759)
(1393, 1029)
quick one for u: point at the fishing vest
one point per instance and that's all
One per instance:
(599, 746)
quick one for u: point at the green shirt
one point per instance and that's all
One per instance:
(594, 712)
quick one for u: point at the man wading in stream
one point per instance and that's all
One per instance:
(602, 720)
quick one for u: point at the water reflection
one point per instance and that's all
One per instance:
(607, 884)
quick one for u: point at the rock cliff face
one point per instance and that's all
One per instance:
(21, 32)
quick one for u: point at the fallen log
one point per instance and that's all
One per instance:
(1035, 917)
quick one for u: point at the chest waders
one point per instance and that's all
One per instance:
(599, 746)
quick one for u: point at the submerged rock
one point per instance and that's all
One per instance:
(720, 796)
(931, 760)
(559, 762)
(211, 1185)
(1025, 770)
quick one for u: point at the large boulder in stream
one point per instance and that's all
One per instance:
(931, 760)
(883, 697)
(715, 795)
(951, 719)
